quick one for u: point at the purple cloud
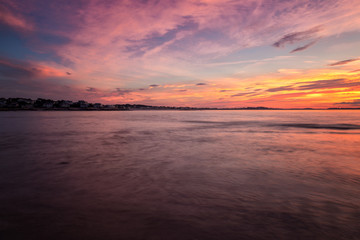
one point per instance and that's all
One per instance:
(333, 83)
(320, 84)
(18, 69)
(343, 62)
(122, 92)
(297, 37)
(279, 89)
(355, 102)
(240, 94)
(304, 47)
(91, 89)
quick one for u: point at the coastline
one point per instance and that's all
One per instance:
(171, 109)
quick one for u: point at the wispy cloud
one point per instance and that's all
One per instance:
(185, 29)
(122, 92)
(343, 62)
(355, 102)
(91, 89)
(302, 48)
(251, 93)
(279, 89)
(14, 20)
(297, 37)
(22, 70)
(318, 84)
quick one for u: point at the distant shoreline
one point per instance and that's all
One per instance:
(41, 104)
(167, 109)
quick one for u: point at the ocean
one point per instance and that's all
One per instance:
(247, 174)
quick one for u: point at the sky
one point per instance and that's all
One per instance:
(196, 53)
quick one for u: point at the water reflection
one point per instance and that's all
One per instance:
(180, 175)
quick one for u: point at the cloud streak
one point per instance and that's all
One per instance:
(27, 70)
(14, 20)
(302, 48)
(297, 37)
(343, 62)
(355, 102)
(325, 84)
(318, 84)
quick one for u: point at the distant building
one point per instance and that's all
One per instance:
(121, 106)
(48, 105)
(43, 103)
(109, 106)
(97, 105)
(83, 104)
(3, 102)
(25, 101)
(64, 103)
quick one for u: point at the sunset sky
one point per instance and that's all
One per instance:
(198, 53)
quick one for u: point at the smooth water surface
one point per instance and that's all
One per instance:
(180, 175)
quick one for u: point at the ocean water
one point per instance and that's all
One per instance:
(180, 175)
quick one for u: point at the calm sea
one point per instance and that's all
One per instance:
(180, 175)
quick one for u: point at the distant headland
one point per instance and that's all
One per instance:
(41, 104)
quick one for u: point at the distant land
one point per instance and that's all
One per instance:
(41, 104)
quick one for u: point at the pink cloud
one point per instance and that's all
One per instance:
(14, 20)
(22, 69)
(242, 24)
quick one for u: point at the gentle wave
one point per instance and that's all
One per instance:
(341, 126)
(336, 126)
